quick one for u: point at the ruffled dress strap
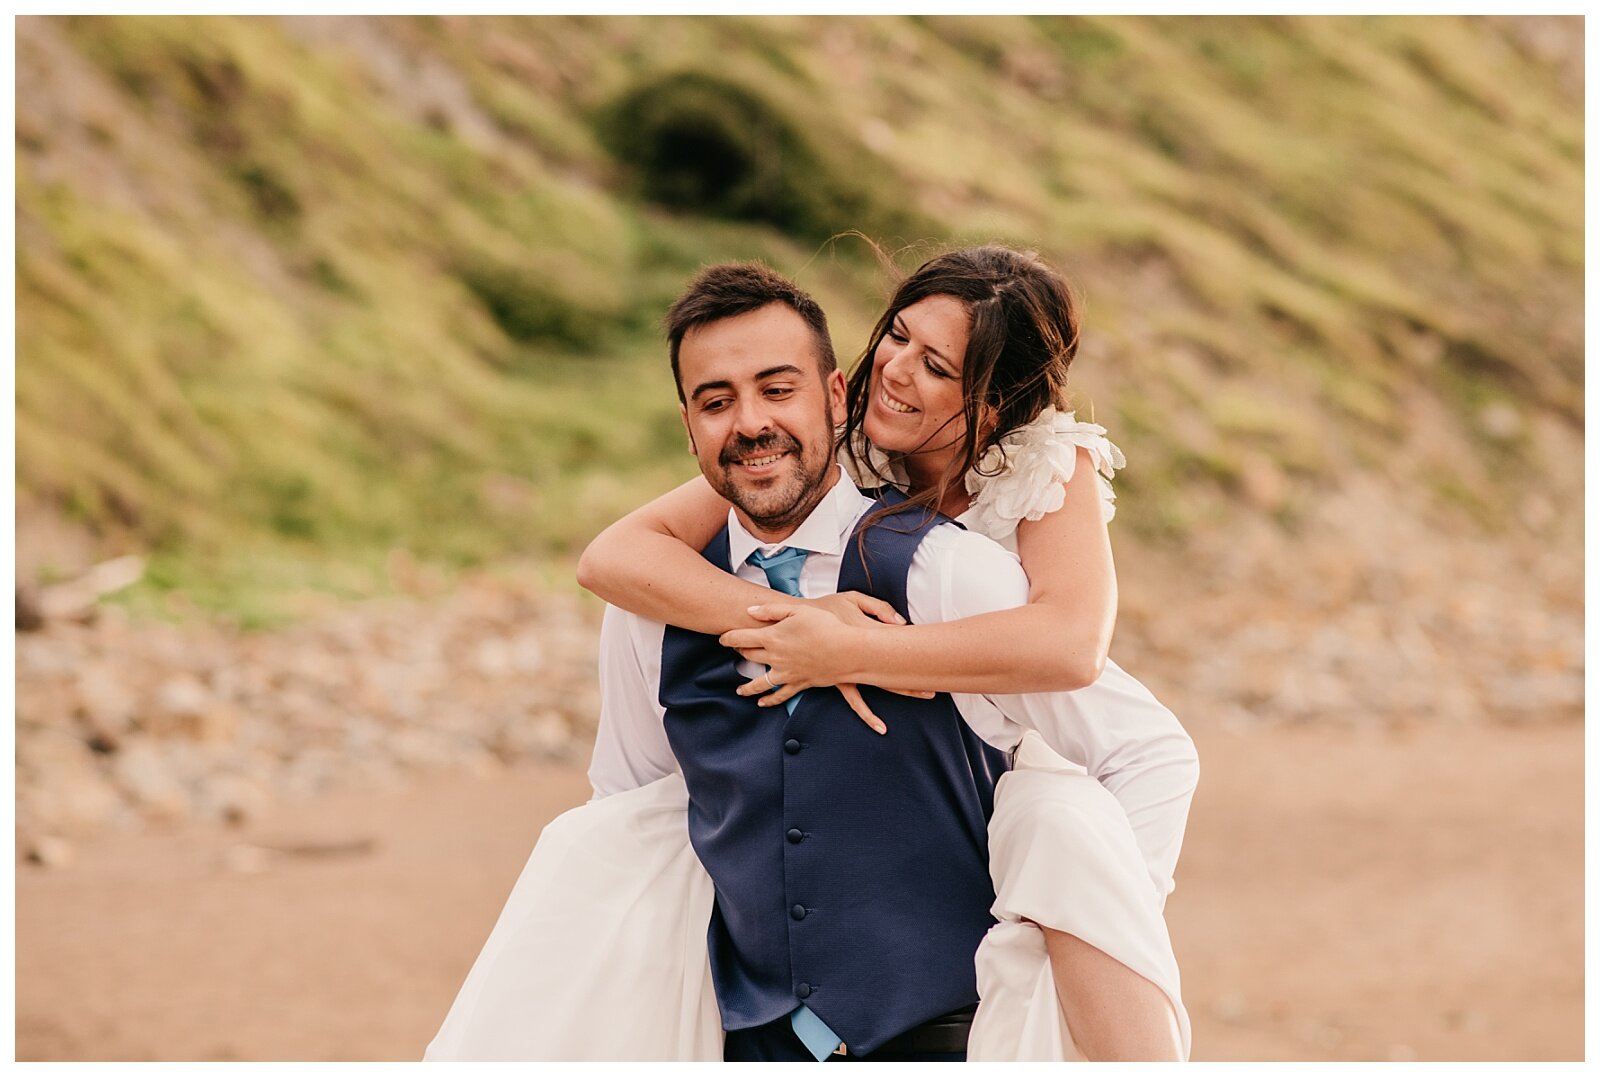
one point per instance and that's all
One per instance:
(1022, 477)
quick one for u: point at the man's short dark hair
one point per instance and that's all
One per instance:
(734, 288)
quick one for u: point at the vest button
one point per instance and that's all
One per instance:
(795, 836)
(798, 912)
(803, 990)
(791, 746)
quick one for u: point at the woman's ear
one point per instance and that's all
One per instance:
(988, 420)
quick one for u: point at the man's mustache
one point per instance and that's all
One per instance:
(741, 447)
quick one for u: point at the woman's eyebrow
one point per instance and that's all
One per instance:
(937, 354)
(900, 327)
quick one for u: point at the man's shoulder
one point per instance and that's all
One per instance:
(619, 626)
(950, 539)
(964, 574)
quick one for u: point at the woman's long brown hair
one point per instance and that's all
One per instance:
(1022, 338)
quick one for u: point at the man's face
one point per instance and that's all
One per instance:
(760, 417)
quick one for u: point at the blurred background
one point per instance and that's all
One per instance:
(337, 338)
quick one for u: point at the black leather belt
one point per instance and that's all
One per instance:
(943, 1035)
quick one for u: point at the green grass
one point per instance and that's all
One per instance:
(274, 297)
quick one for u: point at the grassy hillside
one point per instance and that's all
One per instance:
(293, 293)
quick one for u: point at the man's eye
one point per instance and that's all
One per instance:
(713, 405)
(780, 390)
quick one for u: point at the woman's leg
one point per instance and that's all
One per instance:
(1113, 1013)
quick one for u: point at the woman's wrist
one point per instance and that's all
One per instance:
(836, 658)
(851, 653)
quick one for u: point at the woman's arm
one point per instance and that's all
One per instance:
(649, 563)
(1057, 642)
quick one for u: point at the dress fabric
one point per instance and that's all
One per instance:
(1061, 854)
(600, 952)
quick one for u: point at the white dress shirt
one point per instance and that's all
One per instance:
(1114, 728)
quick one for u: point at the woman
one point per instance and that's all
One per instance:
(955, 402)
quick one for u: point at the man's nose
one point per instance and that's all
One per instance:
(751, 417)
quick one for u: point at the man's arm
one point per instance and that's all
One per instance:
(630, 746)
(1115, 728)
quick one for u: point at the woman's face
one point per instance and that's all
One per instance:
(916, 402)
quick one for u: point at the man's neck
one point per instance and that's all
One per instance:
(774, 535)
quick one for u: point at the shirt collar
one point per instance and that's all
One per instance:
(825, 531)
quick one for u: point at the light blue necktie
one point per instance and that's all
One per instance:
(782, 568)
(783, 573)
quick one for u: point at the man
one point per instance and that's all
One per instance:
(852, 886)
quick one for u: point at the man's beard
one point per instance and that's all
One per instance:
(781, 501)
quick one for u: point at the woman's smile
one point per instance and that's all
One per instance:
(899, 407)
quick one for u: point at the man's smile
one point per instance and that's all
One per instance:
(755, 463)
(758, 456)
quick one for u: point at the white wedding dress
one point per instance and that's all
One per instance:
(600, 951)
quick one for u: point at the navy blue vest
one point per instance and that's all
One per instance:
(851, 870)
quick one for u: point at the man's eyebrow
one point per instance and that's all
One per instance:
(773, 372)
(770, 372)
(707, 386)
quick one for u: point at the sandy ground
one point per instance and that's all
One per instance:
(1343, 895)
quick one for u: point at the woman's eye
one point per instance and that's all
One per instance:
(897, 337)
(936, 371)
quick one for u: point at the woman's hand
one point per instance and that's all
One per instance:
(851, 607)
(808, 644)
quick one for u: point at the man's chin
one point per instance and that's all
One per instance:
(770, 505)
(773, 503)
(771, 513)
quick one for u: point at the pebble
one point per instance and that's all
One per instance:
(1500, 420)
(1390, 622)
(50, 852)
(76, 801)
(247, 859)
(146, 775)
(1229, 1007)
(104, 700)
(182, 696)
(232, 798)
